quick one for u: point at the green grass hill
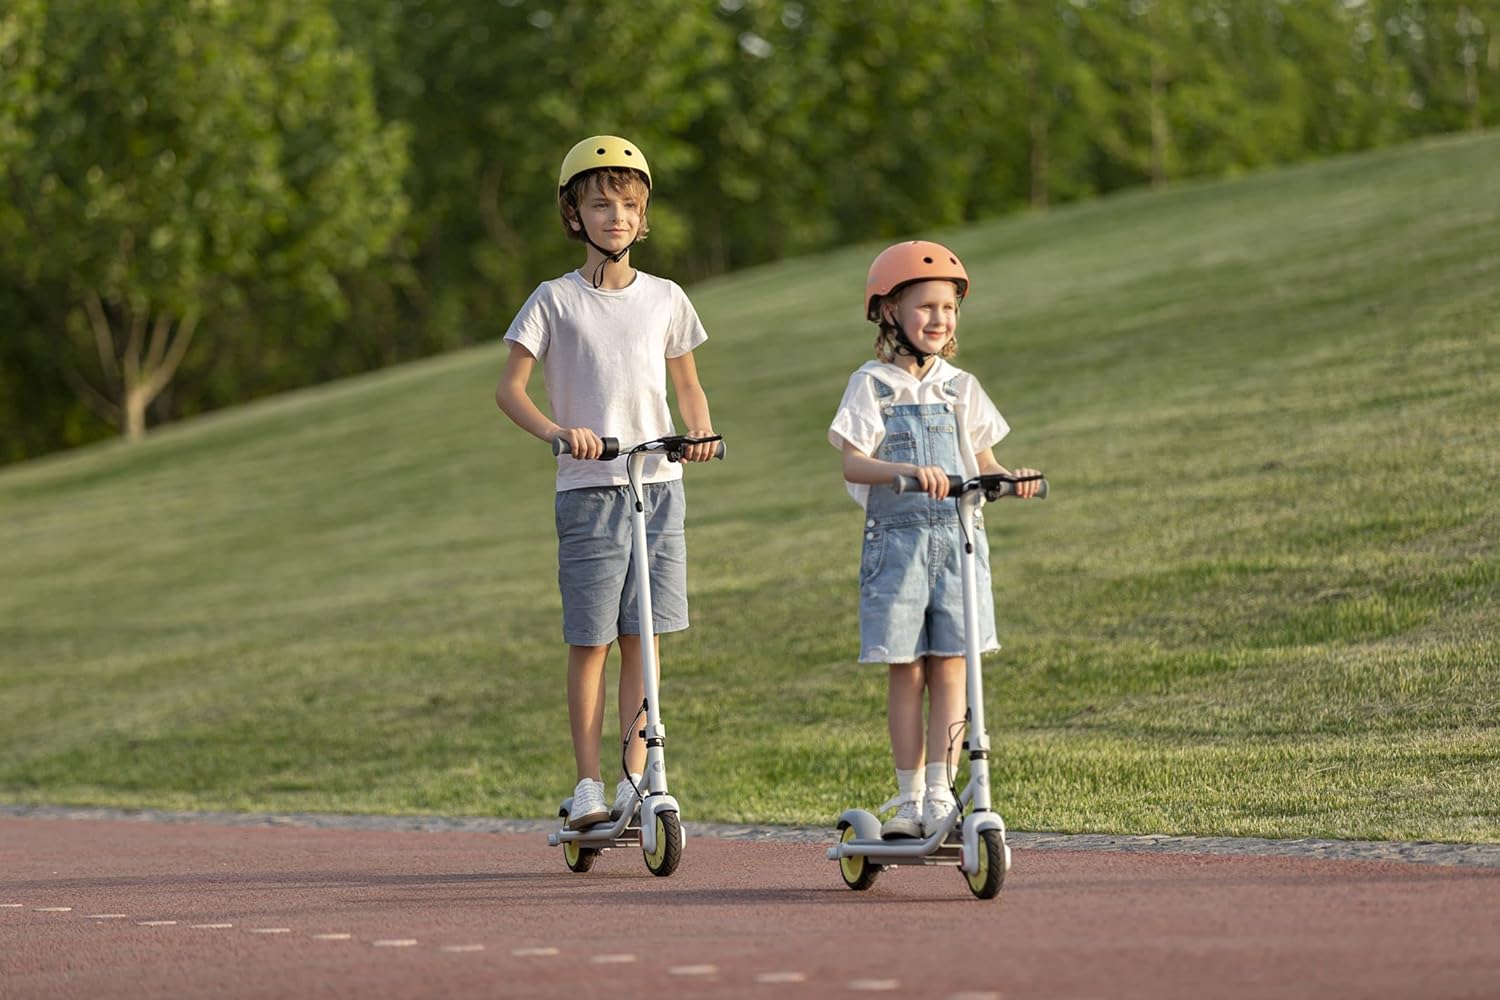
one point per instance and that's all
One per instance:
(1261, 600)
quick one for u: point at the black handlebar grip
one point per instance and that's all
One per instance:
(611, 448)
(910, 484)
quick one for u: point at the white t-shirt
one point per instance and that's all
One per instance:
(860, 422)
(603, 353)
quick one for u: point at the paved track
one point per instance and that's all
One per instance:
(122, 908)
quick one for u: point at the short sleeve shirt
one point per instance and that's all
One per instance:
(859, 419)
(603, 354)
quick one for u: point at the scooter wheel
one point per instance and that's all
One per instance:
(985, 883)
(579, 859)
(858, 871)
(668, 854)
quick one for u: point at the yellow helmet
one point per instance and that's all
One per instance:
(602, 151)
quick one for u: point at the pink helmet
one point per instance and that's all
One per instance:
(916, 260)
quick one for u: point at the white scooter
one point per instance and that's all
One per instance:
(978, 849)
(653, 820)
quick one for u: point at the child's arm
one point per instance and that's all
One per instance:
(692, 403)
(511, 397)
(861, 468)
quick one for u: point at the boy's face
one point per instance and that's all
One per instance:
(928, 312)
(612, 215)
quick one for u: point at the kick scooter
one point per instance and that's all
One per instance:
(978, 848)
(653, 820)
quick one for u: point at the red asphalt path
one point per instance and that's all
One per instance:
(124, 909)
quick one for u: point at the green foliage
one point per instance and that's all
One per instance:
(180, 157)
(1261, 599)
(280, 218)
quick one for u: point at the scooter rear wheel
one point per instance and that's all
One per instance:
(668, 854)
(985, 883)
(857, 870)
(579, 859)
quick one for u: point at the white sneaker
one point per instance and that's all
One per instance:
(588, 805)
(625, 796)
(908, 819)
(937, 806)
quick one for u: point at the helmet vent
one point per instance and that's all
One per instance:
(629, 152)
(927, 260)
(600, 151)
(953, 261)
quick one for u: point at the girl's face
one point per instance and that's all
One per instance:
(928, 312)
(612, 216)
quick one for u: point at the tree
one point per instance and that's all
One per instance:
(180, 157)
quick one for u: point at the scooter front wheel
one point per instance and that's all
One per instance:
(668, 854)
(579, 859)
(986, 881)
(858, 871)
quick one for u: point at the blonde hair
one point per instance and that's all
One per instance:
(889, 337)
(619, 180)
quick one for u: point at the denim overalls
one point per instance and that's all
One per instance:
(910, 575)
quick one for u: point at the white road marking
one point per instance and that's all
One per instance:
(11, 906)
(156, 923)
(210, 927)
(611, 959)
(975, 995)
(395, 943)
(532, 952)
(692, 970)
(332, 937)
(53, 909)
(270, 930)
(106, 916)
(462, 947)
(874, 985)
(781, 977)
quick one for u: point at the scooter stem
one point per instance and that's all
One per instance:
(979, 741)
(656, 764)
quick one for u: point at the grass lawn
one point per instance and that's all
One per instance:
(1262, 599)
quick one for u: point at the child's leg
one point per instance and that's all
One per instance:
(947, 696)
(586, 705)
(904, 714)
(632, 693)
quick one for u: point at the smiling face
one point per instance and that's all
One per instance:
(609, 206)
(927, 311)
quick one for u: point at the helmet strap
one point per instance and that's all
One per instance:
(597, 278)
(906, 347)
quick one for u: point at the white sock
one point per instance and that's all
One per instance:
(937, 779)
(909, 784)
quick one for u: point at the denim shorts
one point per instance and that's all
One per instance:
(911, 597)
(595, 571)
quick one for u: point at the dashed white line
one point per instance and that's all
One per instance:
(692, 970)
(332, 937)
(532, 952)
(395, 943)
(781, 977)
(975, 995)
(53, 909)
(210, 927)
(462, 947)
(155, 923)
(12, 906)
(105, 916)
(874, 985)
(611, 959)
(270, 930)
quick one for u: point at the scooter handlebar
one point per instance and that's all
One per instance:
(995, 486)
(671, 446)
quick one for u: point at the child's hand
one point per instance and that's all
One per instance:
(583, 443)
(934, 480)
(1027, 490)
(700, 452)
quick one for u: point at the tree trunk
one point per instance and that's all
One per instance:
(1160, 132)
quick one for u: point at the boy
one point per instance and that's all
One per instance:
(608, 336)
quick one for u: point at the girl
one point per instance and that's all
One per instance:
(912, 413)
